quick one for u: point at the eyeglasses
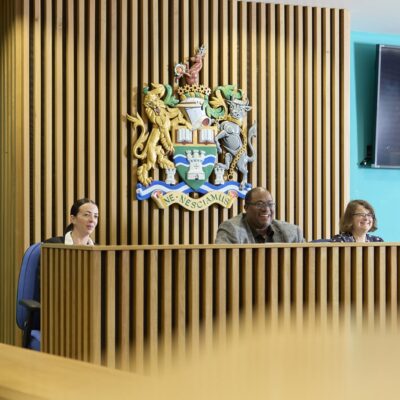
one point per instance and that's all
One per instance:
(364, 215)
(261, 205)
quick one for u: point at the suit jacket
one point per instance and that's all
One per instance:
(237, 231)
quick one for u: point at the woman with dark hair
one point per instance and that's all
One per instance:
(84, 217)
(358, 219)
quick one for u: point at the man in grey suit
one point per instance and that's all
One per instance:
(258, 225)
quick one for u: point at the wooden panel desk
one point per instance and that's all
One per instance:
(263, 364)
(130, 307)
(32, 375)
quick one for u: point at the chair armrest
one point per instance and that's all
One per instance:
(32, 305)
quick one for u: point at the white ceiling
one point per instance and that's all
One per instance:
(374, 16)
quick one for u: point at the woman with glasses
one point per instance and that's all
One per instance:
(83, 217)
(358, 219)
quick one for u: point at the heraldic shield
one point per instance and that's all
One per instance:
(195, 154)
(199, 141)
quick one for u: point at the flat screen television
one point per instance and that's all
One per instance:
(387, 131)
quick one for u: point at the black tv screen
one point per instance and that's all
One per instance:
(387, 133)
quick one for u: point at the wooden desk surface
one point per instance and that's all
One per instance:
(26, 374)
(265, 365)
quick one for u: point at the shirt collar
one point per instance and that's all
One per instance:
(260, 238)
(68, 239)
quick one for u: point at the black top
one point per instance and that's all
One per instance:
(55, 239)
(346, 237)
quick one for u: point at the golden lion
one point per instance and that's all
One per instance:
(147, 146)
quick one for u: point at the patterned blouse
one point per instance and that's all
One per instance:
(348, 237)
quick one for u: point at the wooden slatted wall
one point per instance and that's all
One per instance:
(81, 67)
(126, 306)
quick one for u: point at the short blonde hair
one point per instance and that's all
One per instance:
(346, 222)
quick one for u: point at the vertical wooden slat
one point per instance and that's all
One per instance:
(69, 312)
(262, 100)
(47, 102)
(322, 284)
(123, 90)
(151, 308)
(81, 104)
(112, 202)
(180, 304)
(85, 306)
(253, 82)
(246, 289)
(316, 130)
(326, 133)
(207, 296)
(124, 310)
(95, 313)
(166, 306)
(221, 293)
(273, 282)
(37, 129)
(109, 351)
(153, 54)
(356, 281)
(79, 317)
(310, 295)
(51, 305)
(70, 115)
(345, 284)
(62, 303)
(44, 297)
(260, 279)
(392, 285)
(91, 100)
(334, 285)
(335, 125)
(102, 120)
(271, 100)
(369, 285)
(380, 285)
(285, 284)
(58, 130)
(233, 287)
(281, 121)
(74, 303)
(344, 107)
(298, 288)
(308, 126)
(289, 114)
(193, 310)
(138, 316)
(299, 116)
(134, 94)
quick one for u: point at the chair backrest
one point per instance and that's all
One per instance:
(28, 284)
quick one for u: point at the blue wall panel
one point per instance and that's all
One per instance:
(381, 187)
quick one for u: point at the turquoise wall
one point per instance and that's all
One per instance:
(381, 187)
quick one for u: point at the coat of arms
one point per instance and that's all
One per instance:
(195, 134)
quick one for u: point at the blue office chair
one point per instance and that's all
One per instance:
(28, 298)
